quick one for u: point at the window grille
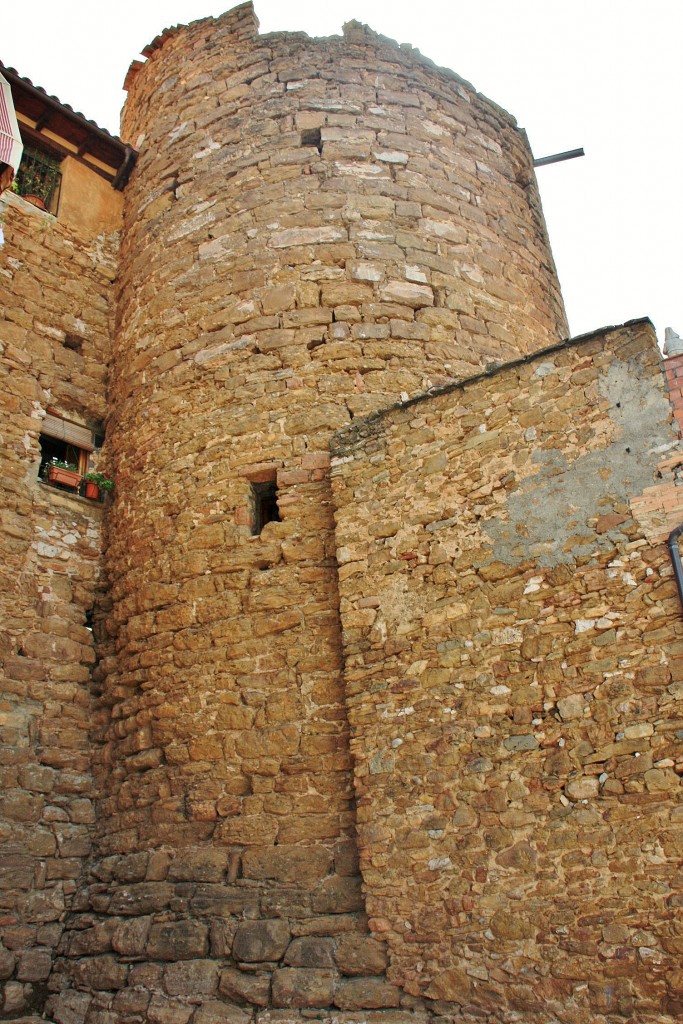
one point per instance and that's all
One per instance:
(39, 176)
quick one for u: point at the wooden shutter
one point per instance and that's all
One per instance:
(65, 430)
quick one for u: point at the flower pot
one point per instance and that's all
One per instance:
(67, 477)
(91, 490)
(35, 201)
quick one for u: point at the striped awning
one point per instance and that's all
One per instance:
(11, 146)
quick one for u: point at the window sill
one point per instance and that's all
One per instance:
(12, 199)
(67, 498)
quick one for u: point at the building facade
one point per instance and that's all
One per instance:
(361, 699)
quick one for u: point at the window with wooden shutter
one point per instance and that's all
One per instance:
(66, 444)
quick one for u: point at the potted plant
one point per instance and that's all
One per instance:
(96, 484)
(60, 472)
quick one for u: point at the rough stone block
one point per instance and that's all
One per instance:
(338, 896)
(216, 1012)
(360, 954)
(199, 866)
(245, 988)
(261, 941)
(366, 993)
(191, 977)
(310, 952)
(288, 864)
(299, 987)
(178, 940)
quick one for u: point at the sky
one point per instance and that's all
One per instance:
(603, 74)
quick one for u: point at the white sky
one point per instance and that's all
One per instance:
(603, 74)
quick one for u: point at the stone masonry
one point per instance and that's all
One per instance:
(513, 641)
(410, 750)
(54, 286)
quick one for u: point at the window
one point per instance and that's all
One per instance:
(265, 505)
(39, 179)
(63, 441)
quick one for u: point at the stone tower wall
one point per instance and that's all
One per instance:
(313, 229)
(271, 291)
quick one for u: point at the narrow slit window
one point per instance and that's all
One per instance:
(265, 505)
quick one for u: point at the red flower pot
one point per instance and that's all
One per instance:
(67, 477)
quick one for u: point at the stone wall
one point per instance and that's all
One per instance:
(513, 640)
(54, 288)
(471, 674)
(312, 229)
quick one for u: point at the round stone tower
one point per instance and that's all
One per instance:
(315, 229)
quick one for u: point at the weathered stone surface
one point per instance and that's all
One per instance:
(310, 952)
(177, 940)
(216, 1012)
(301, 987)
(360, 954)
(130, 937)
(293, 864)
(366, 993)
(483, 586)
(56, 300)
(338, 896)
(199, 866)
(259, 941)
(243, 988)
(100, 973)
(196, 977)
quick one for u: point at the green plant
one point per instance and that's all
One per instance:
(38, 175)
(104, 483)
(62, 465)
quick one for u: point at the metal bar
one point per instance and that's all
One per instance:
(672, 544)
(570, 154)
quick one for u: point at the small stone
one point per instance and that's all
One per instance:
(571, 707)
(523, 742)
(584, 788)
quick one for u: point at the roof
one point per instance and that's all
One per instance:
(104, 153)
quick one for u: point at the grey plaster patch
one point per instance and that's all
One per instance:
(556, 503)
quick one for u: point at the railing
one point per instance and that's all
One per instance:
(39, 179)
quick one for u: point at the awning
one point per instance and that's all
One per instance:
(11, 146)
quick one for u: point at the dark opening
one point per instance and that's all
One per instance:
(73, 342)
(265, 505)
(52, 448)
(311, 137)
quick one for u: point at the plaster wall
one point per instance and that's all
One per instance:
(88, 204)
